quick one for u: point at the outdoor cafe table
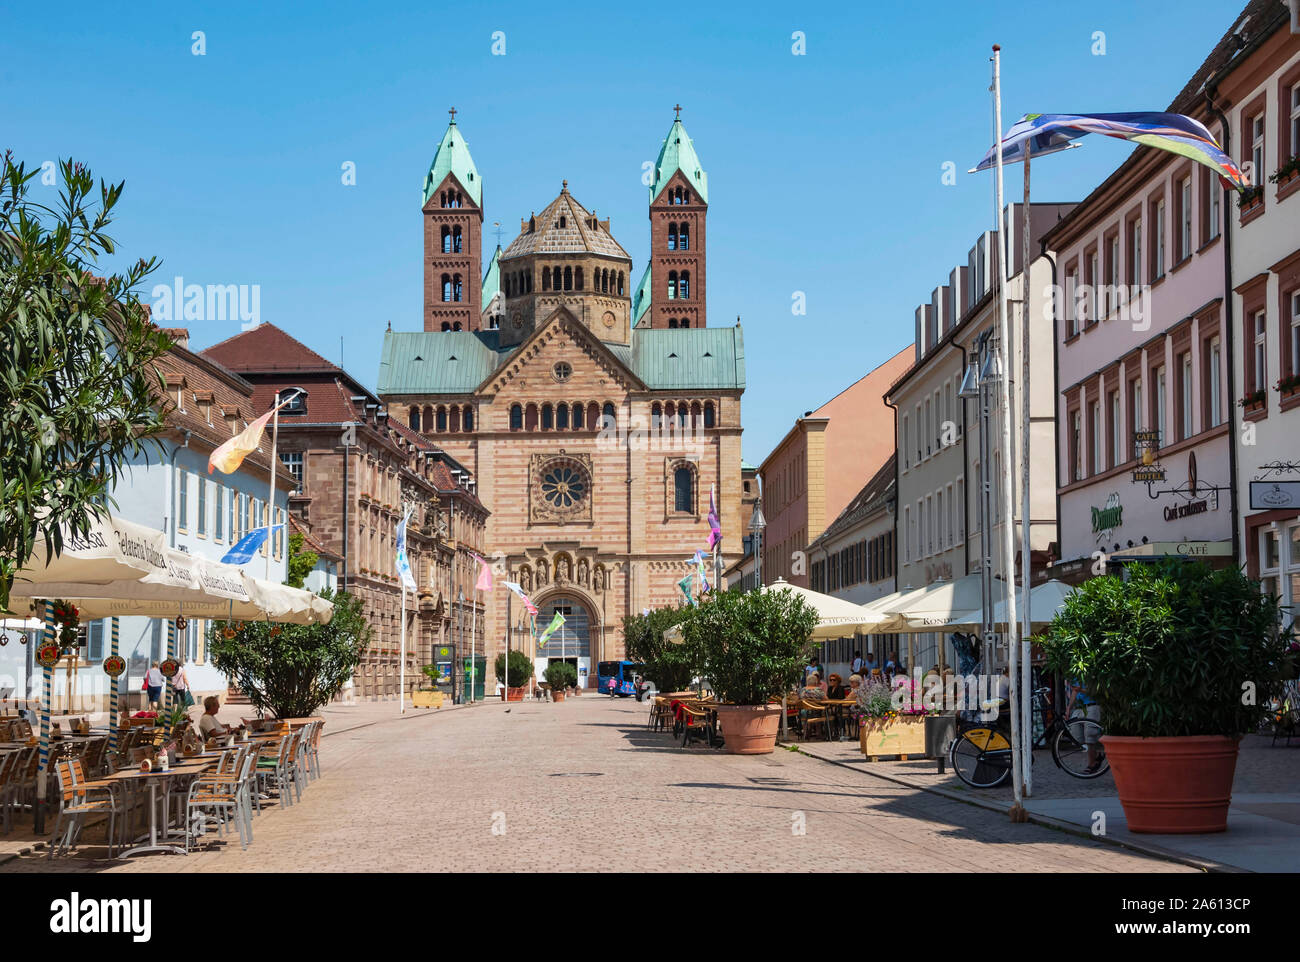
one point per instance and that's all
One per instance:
(189, 766)
(837, 706)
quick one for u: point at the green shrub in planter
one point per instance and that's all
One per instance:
(667, 664)
(1178, 649)
(521, 668)
(751, 645)
(561, 675)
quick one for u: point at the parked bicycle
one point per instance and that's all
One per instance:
(980, 754)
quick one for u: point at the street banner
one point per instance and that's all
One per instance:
(403, 563)
(243, 550)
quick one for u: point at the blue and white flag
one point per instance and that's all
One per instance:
(403, 564)
(247, 546)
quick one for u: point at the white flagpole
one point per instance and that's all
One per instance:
(270, 501)
(1008, 470)
(401, 668)
(473, 621)
(1026, 692)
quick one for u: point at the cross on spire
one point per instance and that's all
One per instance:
(678, 108)
(452, 111)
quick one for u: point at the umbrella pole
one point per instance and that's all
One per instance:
(171, 653)
(112, 691)
(47, 674)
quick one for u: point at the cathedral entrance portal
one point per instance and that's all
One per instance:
(571, 642)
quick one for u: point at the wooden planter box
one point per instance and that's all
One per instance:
(426, 699)
(903, 735)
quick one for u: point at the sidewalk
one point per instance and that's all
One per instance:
(1263, 821)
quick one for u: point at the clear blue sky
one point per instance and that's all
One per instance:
(824, 169)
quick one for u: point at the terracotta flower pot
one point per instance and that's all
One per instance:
(749, 729)
(1175, 786)
(557, 696)
(515, 694)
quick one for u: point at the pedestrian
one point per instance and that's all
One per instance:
(501, 690)
(153, 685)
(857, 663)
(181, 685)
(613, 686)
(868, 666)
(814, 666)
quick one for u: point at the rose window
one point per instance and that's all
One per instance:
(564, 486)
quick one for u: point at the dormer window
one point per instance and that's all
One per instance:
(297, 404)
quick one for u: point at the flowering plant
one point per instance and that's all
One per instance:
(1288, 383)
(66, 616)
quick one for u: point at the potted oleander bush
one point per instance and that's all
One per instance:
(1182, 661)
(750, 646)
(521, 671)
(561, 676)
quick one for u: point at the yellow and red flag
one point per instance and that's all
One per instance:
(229, 456)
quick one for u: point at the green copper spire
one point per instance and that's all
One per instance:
(678, 153)
(641, 297)
(452, 157)
(492, 279)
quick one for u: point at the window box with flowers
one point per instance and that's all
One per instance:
(891, 722)
(1287, 176)
(1288, 386)
(1254, 402)
(1251, 199)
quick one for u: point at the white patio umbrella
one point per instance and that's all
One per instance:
(836, 617)
(932, 608)
(1045, 601)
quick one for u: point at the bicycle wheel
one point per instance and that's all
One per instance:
(974, 764)
(1070, 748)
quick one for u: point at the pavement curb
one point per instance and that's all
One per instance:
(1046, 821)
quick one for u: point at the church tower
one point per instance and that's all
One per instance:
(453, 228)
(672, 289)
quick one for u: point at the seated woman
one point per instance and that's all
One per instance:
(813, 689)
(855, 682)
(835, 688)
(209, 727)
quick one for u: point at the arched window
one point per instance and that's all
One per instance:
(683, 490)
(670, 410)
(568, 278)
(446, 287)
(620, 283)
(696, 413)
(442, 199)
(446, 239)
(548, 418)
(656, 411)
(546, 279)
(593, 415)
(562, 417)
(709, 419)
(428, 419)
(607, 415)
(530, 418)
(686, 197)
(672, 284)
(683, 287)
(442, 419)
(455, 240)
(446, 325)
(456, 326)
(686, 322)
(684, 238)
(577, 416)
(413, 419)
(555, 279)
(457, 288)
(577, 279)
(454, 422)
(672, 322)
(528, 282)
(516, 417)
(672, 237)
(467, 419)
(683, 412)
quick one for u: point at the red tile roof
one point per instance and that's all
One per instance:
(267, 348)
(297, 527)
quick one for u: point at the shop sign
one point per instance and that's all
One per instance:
(1107, 518)
(1148, 474)
(1272, 495)
(1180, 511)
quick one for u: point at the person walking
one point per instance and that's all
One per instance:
(181, 685)
(613, 686)
(153, 685)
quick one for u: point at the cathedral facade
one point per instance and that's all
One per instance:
(596, 412)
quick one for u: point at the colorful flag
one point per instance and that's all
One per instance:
(403, 563)
(685, 585)
(484, 582)
(243, 550)
(701, 570)
(556, 623)
(715, 525)
(514, 586)
(229, 456)
(1176, 133)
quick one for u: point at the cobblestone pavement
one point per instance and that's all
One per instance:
(583, 786)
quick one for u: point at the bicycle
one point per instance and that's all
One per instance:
(980, 754)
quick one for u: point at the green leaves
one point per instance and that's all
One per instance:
(78, 390)
(666, 664)
(291, 670)
(1168, 651)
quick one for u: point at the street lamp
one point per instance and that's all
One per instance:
(983, 372)
(756, 525)
(460, 639)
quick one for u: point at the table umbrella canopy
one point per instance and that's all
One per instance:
(836, 618)
(122, 568)
(1044, 602)
(933, 606)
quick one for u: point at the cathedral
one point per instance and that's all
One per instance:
(596, 410)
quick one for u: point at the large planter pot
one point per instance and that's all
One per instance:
(1176, 785)
(900, 735)
(557, 696)
(749, 729)
(515, 694)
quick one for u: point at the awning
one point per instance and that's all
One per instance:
(836, 618)
(922, 609)
(1045, 601)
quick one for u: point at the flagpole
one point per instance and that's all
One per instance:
(1026, 718)
(1008, 471)
(473, 621)
(505, 691)
(270, 501)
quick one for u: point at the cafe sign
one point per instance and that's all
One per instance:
(1274, 495)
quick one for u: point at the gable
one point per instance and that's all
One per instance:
(266, 348)
(678, 179)
(560, 337)
(451, 182)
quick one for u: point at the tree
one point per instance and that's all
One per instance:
(521, 668)
(291, 670)
(561, 675)
(79, 395)
(666, 664)
(301, 563)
